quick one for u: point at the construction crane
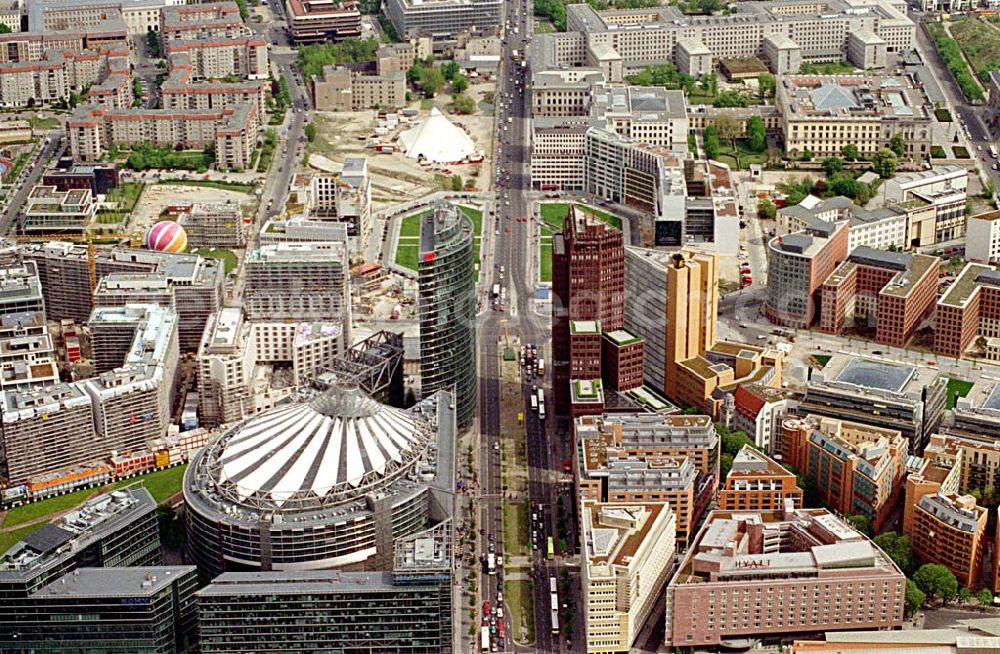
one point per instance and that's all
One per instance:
(87, 237)
(506, 334)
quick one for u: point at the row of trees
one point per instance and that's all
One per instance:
(951, 54)
(728, 129)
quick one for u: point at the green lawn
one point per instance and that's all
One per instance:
(943, 115)
(741, 156)
(545, 259)
(35, 510)
(521, 605)
(126, 195)
(830, 68)
(10, 538)
(228, 257)
(408, 245)
(957, 388)
(960, 152)
(515, 529)
(43, 124)
(554, 213)
(979, 41)
(239, 187)
(821, 359)
(937, 152)
(162, 484)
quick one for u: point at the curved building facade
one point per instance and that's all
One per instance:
(447, 308)
(317, 483)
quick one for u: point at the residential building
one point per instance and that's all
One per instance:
(893, 292)
(888, 395)
(313, 21)
(299, 281)
(822, 114)
(442, 19)
(644, 458)
(446, 304)
(201, 21)
(114, 530)
(982, 240)
(243, 55)
(709, 381)
(758, 411)
(756, 482)
(342, 89)
(857, 469)
(406, 609)
(757, 574)
(20, 287)
(149, 609)
(179, 91)
(627, 550)
(27, 353)
(231, 130)
(215, 225)
(194, 282)
(968, 310)
(588, 286)
(797, 266)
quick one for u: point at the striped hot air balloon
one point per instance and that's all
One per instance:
(166, 236)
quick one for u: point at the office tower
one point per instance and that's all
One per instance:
(756, 482)
(588, 285)
(446, 302)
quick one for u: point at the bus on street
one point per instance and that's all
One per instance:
(551, 551)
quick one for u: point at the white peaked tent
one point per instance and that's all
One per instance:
(437, 140)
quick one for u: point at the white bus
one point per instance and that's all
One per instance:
(491, 563)
(534, 403)
(541, 411)
(484, 639)
(993, 151)
(496, 291)
(552, 586)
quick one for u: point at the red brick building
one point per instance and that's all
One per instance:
(622, 360)
(588, 284)
(969, 308)
(892, 291)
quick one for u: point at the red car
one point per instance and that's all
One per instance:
(507, 229)
(567, 465)
(486, 607)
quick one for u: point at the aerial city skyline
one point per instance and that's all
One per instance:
(474, 326)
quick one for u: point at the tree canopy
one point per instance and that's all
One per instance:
(756, 136)
(914, 598)
(937, 581)
(899, 549)
(884, 163)
(313, 57)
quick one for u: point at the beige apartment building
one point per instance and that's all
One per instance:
(627, 550)
(822, 115)
(216, 58)
(232, 130)
(179, 92)
(340, 89)
(210, 20)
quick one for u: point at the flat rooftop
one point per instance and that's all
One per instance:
(869, 373)
(114, 582)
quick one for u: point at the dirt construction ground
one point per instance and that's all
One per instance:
(395, 178)
(157, 197)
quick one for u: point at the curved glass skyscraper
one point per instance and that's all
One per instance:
(447, 308)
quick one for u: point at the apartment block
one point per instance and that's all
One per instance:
(756, 482)
(891, 291)
(113, 530)
(231, 130)
(195, 283)
(982, 241)
(888, 395)
(214, 225)
(588, 285)
(207, 20)
(823, 114)
(857, 469)
(627, 550)
(758, 410)
(244, 56)
(969, 309)
(798, 264)
(342, 89)
(312, 21)
(649, 458)
(758, 574)
(179, 92)
(27, 353)
(20, 288)
(442, 19)
(299, 281)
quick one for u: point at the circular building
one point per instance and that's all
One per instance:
(166, 236)
(312, 484)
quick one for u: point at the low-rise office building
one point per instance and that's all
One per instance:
(977, 414)
(982, 243)
(311, 21)
(442, 19)
(798, 264)
(968, 310)
(50, 211)
(757, 411)
(891, 291)
(898, 396)
(857, 469)
(757, 574)
(343, 89)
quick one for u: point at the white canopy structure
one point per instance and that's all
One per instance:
(437, 140)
